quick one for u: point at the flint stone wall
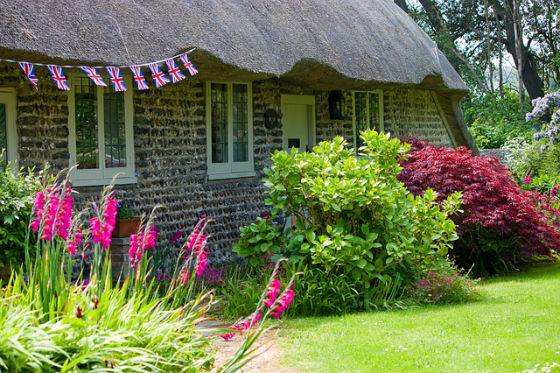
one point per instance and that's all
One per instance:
(170, 147)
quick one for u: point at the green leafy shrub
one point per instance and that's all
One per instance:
(493, 119)
(258, 241)
(16, 196)
(354, 220)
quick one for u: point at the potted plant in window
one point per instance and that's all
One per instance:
(127, 222)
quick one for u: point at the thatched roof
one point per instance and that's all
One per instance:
(368, 41)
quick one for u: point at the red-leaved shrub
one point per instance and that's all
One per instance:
(501, 224)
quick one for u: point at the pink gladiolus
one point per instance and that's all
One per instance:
(102, 229)
(197, 238)
(528, 179)
(201, 263)
(135, 250)
(150, 238)
(49, 222)
(283, 303)
(38, 210)
(272, 293)
(64, 218)
(228, 336)
(243, 325)
(76, 241)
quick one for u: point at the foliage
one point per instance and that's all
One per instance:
(495, 119)
(259, 240)
(16, 195)
(125, 212)
(438, 288)
(354, 220)
(63, 311)
(501, 225)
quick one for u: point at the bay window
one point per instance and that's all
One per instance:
(100, 133)
(229, 130)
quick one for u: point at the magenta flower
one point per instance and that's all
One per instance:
(38, 210)
(201, 263)
(243, 325)
(134, 251)
(102, 229)
(185, 275)
(64, 218)
(283, 303)
(72, 245)
(527, 180)
(150, 238)
(272, 293)
(49, 221)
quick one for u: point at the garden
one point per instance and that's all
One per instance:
(387, 260)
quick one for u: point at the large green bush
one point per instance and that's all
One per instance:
(493, 119)
(16, 195)
(354, 220)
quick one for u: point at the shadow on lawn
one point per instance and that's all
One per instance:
(486, 297)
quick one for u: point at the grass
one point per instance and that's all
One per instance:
(514, 327)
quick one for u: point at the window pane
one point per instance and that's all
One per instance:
(374, 110)
(87, 152)
(362, 120)
(114, 126)
(3, 132)
(240, 123)
(219, 120)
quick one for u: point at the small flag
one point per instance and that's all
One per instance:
(116, 78)
(58, 77)
(92, 73)
(159, 77)
(139, 78)
(173, 70)
(29, 72)
(188, 64)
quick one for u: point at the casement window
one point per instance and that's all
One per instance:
(368, 113)
(229, 130)
(8, 134)
(100, 133)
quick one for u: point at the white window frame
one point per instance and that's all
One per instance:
(379, 93)
(9, 99)
(231, 169)
(102, 175)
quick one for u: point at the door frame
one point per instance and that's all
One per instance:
(300, 100)
(8, 97)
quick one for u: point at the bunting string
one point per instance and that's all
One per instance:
(115, 72)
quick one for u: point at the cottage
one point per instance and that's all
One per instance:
(272, 75)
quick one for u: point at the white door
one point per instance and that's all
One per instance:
(298, 122)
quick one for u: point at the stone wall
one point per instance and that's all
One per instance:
(170, 147)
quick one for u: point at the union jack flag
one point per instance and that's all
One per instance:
(188, 64)
(159, 77)
(173, 70)
(116, 78)
(139, 78)
(58, 77)
(29, 72)
(92, 73)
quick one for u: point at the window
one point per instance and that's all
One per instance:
(368, 113)
(8, 135)
(229, 129)
(100, 133)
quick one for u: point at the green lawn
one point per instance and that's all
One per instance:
(515, 327)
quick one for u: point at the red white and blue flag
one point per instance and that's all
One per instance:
(92, 73)
(29, 72)
(159, 77)
(58, 77)
(188, 64)
(116, 78)
(139, 78)
(173, 71)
